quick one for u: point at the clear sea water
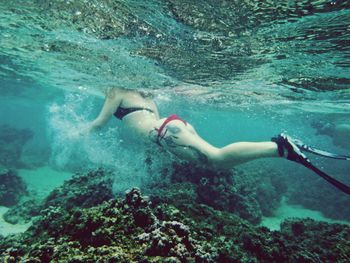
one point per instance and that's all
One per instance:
(237, 71)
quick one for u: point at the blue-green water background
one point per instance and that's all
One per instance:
(236, 71)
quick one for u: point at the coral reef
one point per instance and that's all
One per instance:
(23, 211)
(12, 141)
(135, 230)
(83, 190)
(247, 194)
(12, 187)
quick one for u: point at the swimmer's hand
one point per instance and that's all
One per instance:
(81, 131)
(85, 129)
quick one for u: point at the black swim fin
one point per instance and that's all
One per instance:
(294, 148)
(307, 148)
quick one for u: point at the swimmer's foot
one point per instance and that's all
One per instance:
(287, 148)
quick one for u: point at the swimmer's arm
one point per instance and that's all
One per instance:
(111, 103)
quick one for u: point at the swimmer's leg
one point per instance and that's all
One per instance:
(184, 142)
(242, 152)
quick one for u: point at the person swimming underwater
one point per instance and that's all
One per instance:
(339, 132)
(139, 113)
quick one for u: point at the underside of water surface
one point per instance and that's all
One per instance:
(236, 70)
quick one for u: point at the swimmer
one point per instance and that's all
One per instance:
(139, 113)
(338, 132)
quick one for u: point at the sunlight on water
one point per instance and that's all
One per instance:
(160, 52)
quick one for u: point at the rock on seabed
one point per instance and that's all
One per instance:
(135, 230)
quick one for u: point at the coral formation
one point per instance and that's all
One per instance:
(83, 190)
(12, 187)
(23, 211)
(249, 195)
(135, 230)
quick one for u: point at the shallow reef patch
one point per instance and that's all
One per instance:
(138, 228)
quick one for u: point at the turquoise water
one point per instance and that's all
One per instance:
(236, 72)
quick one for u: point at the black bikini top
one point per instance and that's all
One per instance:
(121, 112)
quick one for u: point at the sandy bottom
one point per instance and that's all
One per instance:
(43, 180)
(40, 182)
(294, 211)
(8, 229)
